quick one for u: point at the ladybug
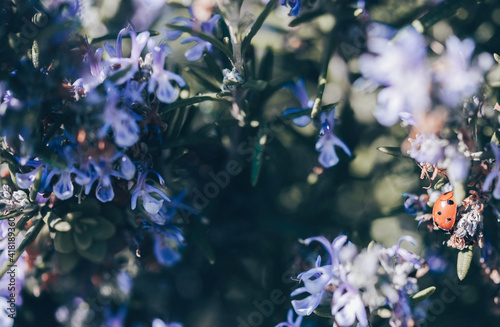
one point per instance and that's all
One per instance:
(444, 211)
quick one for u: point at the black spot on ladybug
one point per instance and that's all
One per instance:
(450, 202)
(448, 219)
(439, 213)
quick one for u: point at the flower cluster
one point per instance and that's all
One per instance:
(350, 281)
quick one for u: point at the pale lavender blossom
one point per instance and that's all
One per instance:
(398, 62)
(457, 78)
(494, 174)
(97, 75)
(195, 52)
(328, 141)
(103, 171)
(165, 92)
(126, 68)
(427, 148)
(123, 122)
(456, 163)
(5, 320)
(348, 307)
(144, 190)
(316, 279)
(289, 321)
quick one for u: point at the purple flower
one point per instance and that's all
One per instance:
(317, 278)
(165, 92)
(458, 79)
(160, 323)
(5, 320)
(348, 307)
(300, 91)
(168, 243)
(327, 141)
(124, 123)
(494, 174)
(427, 148)
(127, 67)
(169, 209)
(295, 6)
(290, 322)
(414, 203)
(97, 73)
(103, 167)
(400, 65)
(116, 319)
(196, 52)
(150, 203)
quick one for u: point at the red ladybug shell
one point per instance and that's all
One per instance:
(444, 211)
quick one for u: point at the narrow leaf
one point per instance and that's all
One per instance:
(213, 67)
(439, 12)
(391, 150)
(204, 36)
(190, 101)
(306, 17)
(422, 295)
(325, 60)
(206, 80)
(257, 24)
(464, 260)
(325, 312)
(258, 154)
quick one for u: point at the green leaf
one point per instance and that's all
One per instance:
(63, 242)
(188, 102)
(325, 312)
(257, 24)
(204, 36)
(96, 252)
(103, 230)
(306, 17)
(257, 85)
(58, 224)
(32, 233)
(439, 12)
(422, 295)
(464, 260)
(66, 262)
(206, 80)
(212, 66)
(82, 240)
(391, 150)
(258, 154)
(497, 57)
(266, 65)
(325, 60)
